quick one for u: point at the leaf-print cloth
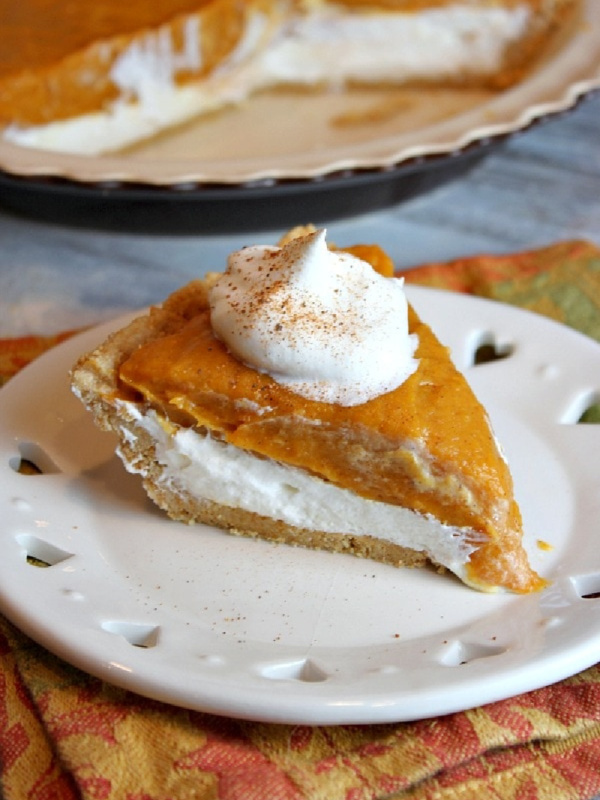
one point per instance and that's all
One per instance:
(65, 735)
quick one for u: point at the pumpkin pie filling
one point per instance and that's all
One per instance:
(60, 63)
(426, 445)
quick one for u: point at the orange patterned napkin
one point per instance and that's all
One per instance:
(67, 736)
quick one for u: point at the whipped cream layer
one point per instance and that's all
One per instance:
(321, 322)
(322, 47)
(332, 46)
(208, 469)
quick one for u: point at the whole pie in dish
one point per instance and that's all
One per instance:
(298, 397)
(95, 77)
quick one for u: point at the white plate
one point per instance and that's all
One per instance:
(260, 631)
(427, 124)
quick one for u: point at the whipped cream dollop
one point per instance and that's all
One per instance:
(321, 322)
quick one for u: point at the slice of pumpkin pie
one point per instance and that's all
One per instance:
(297, 397)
